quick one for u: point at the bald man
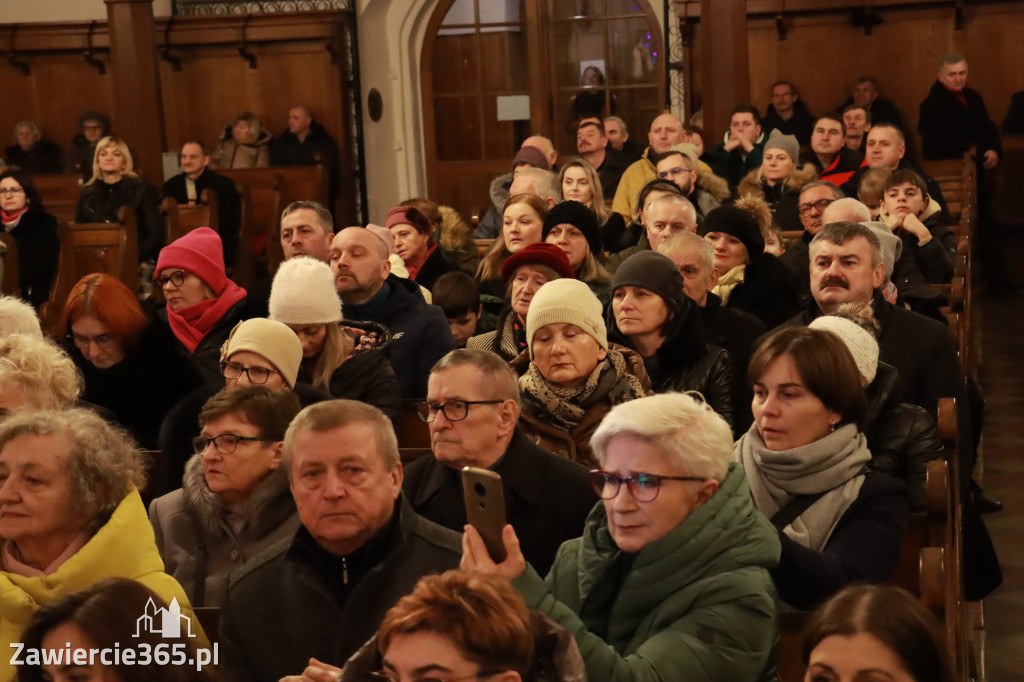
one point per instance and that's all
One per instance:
(666, 130)
(420, 335)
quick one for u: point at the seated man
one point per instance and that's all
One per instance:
(741, 150)
(307, 142)
(814, 198)
(489, 226)
(187, 188)
(323, 592)
(618, 137)
(665, 216)
(681, 165)
(592, 145)
(835, 161)
(472, 408)
(882, 110)
(369, 292)
(788, 114)
(666, 130)
(858, 123)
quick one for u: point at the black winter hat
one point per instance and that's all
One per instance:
(654, 272)
(738, 223)
(579, 216)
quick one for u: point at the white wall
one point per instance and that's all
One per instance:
(29, 11)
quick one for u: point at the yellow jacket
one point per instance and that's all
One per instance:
(122, 548)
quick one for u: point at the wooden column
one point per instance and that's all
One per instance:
(725, 69)
(138, 107)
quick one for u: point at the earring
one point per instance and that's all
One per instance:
(832, 427)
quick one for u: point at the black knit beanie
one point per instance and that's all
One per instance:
(738, 223)
(579, 216)
(654, 272)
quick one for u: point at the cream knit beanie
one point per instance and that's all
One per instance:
(859, 341)
(303, 293)
(566, 301)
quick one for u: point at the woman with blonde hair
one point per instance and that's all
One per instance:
(580, 182)
(780, 179)
(114, 184)
(243, 144)
(304, 298)
(522, 225)
(35, 374)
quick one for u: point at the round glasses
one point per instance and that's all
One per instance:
(225, 443)
(177, 278)
(454, 410)
(643, 487)
(256, 374)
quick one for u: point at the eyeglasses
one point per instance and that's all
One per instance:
(385, 676)
(256, 375)
(177, 278)
(664, 175)
(643, 487)
(454, 410)
(101, 340)
(225, 443)
(820, 205)
(11, 191)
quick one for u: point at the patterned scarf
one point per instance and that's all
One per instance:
(728, 282)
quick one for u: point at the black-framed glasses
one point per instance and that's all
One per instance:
(385, 676)
(102, 340)
(643, 487)
(257, 375)
(177, 278)
(454, 410)
(820, 205)
(225, 443)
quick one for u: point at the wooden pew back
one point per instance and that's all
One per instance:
(9, 286)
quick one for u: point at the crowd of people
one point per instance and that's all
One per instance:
(695, 423)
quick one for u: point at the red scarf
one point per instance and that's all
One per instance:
(191, 324)
(959, 94)
(11, 219)
(414, 271)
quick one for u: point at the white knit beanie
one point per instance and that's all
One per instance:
(859, 341)
(566, 301)
(303, 293)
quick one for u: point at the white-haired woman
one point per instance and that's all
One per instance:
(36, 375)
(670, 579)
(70, 516)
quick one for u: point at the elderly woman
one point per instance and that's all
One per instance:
(234, 501)
(104, 616)
(114, 184)
(779, 179)
(131, 363)
(806, 461)
(579, 182)
(203, 305)
(916, 219)
(35, 375)
(523, 274)
(31, 153)
(572, 377)
(35, 234)
(749, 279)
(670, 578)
(573, 228)
(652, 314)
(424, 258)
(522, 224)
(70, 516)
(304, 298)
(243, 144)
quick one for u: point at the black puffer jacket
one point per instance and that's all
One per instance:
(100, 201)
(767, 291)
(902, 437)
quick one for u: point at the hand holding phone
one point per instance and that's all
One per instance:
(484, 496)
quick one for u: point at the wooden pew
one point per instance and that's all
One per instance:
(9, 286)
(412, 431)
(59, 194)
(179, 219)
(482, 246)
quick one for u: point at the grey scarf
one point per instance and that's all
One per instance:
(832, 465)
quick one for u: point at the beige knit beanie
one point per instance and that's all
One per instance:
(303, 293)
(268, 339)
(566, 301)
(859, 341)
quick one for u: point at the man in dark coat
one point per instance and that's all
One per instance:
(187, 188)
(547, 497)
(835, 161)
(78, 159)
(788, 114)
(610, 164)
(420, 335)
(306, 143)
(865, 94)
(31, 153)
(323, 593)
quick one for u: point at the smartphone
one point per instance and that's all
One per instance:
(484, 496)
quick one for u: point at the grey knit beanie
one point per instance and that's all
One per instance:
(786, 143)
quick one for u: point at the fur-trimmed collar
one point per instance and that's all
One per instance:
(801, 175)
(208, 508)
(499, 189)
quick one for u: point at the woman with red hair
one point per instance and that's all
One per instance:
(132, 364)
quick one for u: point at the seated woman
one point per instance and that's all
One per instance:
(104, 616)
(523, 274)
(243, 144)
(875, 632)
(916, 218)
(451, 232)
(203, 305)
(749, 280)
(651, 314)
(779, 180)
(579, 182)
(571, 378)
(131, 363)
(573, 228)
(670, 578)
(424, 258)
(234, 501)
(902, 437)
(522, 224)
(70, 516)
(31, 153)
(114, 184)
(304, 298)
(35, 234)
(806, 460)
(35, 375)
